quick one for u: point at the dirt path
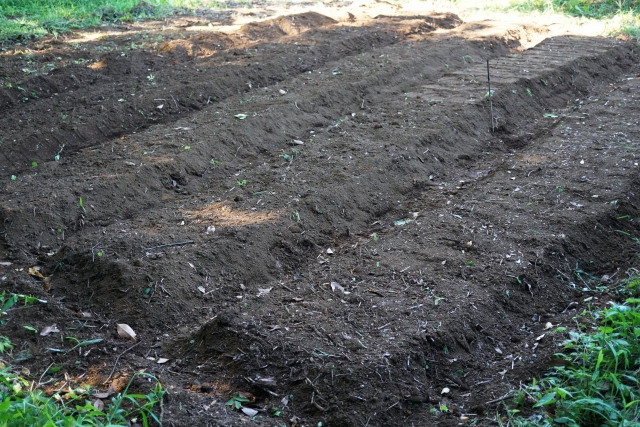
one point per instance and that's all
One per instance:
(317, 210)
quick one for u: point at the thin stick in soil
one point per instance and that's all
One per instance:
(188, 242)
(493, 130)
(118, 358)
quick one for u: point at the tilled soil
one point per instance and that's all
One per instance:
(316, 212)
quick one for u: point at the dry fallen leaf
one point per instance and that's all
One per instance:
(263, 292)
(250, 412)
(49, 330)
(330, 251)
(202, 289)
(445, 390)
(125, 331)
(336, 285)
(540, 337)
(35, 272)
(105, 394)
(98, 404)
(162, 360)
(548, 325)
(266, 380)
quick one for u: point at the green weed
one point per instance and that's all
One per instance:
(20, 19)
(599, 385)
(21, 406)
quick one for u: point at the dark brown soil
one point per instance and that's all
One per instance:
(316, 210)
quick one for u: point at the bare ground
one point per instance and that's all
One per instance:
(315, 208)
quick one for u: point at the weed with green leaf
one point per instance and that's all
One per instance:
(597, 383)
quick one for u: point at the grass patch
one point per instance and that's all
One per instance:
(622, 16)
(584, 8)
(600, 385)
(20, 19)
(20, 406)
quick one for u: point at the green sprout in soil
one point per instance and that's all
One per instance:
(5, 344)
(236, 401)
(241, 183)
(81, 204)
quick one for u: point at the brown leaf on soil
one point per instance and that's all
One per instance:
(49, 330)
(247, 395)
(35, 272)
(105, 394)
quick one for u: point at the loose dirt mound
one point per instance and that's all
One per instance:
(318, 210)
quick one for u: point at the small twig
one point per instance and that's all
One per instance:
(500, 399)
(493, 130)
(392, 405)
(117, 359)
(174, 101)
(205, 171)
(43, 373)
(286, 287)
(188, 242)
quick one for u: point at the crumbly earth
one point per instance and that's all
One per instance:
(314, 210)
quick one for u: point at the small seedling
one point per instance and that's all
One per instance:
(13, 178)
(240, 116)
(30, 328)
(529, 92)
(469, 263)
(57, 156)
(241, 183)
(187, 147)
(34, 164)
(100, 254)
(5, 344)
(150, 77)
(215, 162)
(81, 204)
(236, 401)
(375, 237)
(295, 216)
